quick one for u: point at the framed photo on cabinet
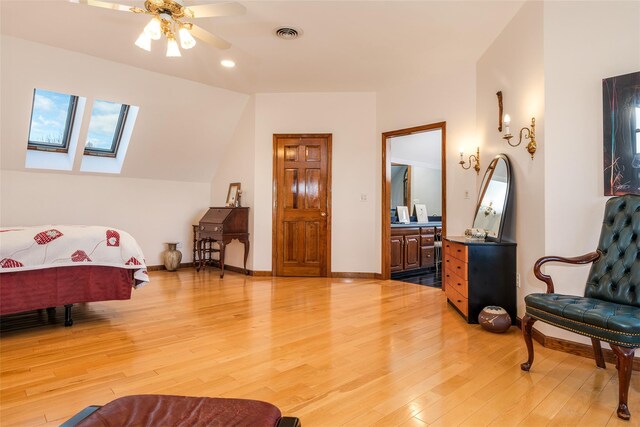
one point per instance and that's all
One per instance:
(403, 215)
(421, 212)
(232, 195)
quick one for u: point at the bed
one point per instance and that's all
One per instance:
(61, 265)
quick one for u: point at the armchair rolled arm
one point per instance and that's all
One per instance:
(584, 259)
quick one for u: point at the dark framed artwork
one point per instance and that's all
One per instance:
(621, 129)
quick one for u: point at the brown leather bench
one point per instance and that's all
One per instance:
(181, 411)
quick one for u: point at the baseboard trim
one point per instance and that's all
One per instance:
(572, 347)
(337, 275)
(258, 273)
(161, 267)
(226, 268)
(240, 270)
(350, 275)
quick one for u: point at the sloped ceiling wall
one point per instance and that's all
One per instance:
(181, 129)
(181, 132)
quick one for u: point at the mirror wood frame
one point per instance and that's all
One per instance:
(407, 191)
(386, 187)
(483, 189)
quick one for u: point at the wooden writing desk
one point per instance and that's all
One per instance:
(221, 226)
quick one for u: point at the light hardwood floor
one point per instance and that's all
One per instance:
(332, 352)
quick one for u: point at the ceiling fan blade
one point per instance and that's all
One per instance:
(207, 37)
(216, 9)
(104, 4)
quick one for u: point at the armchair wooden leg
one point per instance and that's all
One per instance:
(597, 353)
(527, 324)
(624, 365)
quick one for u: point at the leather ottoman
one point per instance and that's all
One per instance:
(181, 411)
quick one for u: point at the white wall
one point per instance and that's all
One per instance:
(238, 165)
(514, 64)
(583, 43)
(351, 119)
(549, 62)
(152, 211)
(180, 129)
(165, 182)
(446, 94)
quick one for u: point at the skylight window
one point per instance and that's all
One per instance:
(105, 128)
(52, 118)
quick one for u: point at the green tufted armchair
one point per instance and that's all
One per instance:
(610, 308)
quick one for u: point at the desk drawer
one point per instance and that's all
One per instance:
(426, 257)
(455, 250)
(426, 240)
(458, 300)
(454, 282)
(427, 230)
(456, 267)
(211, 227)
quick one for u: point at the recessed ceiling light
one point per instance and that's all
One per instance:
(227, 63)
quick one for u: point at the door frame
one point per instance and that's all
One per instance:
(386, 187)
(274, 199)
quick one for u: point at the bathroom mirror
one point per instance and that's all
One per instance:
(493, 202)
(416, 173)
(400, 185)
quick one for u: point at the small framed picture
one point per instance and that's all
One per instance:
(403, 214)
(232, 195)
(421, 212)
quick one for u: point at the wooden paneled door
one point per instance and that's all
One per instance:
(302, 205)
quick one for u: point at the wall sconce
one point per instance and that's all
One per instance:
(472, 158)
(529, 133)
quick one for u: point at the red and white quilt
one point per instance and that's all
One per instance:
(46, 246)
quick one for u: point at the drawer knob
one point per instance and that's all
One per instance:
(202, 227)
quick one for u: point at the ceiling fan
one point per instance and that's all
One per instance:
(167, 18)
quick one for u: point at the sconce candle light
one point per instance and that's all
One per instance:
(472, 158)
(529, 133)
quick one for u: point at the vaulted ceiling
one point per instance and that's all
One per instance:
(187, 118)
(346, 45)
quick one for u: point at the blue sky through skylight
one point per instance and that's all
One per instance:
(103, 125)
(49, 117)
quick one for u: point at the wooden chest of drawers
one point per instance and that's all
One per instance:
(478, 274)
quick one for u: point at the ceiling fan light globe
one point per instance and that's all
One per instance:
(153, 29)
(144, 42)
(172, 48)
(186, 39)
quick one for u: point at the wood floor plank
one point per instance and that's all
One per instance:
(333, 352)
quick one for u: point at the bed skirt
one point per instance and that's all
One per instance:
(54, 287)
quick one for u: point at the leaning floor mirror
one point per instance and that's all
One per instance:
(495, 204)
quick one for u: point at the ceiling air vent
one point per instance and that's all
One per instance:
(288, 33)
